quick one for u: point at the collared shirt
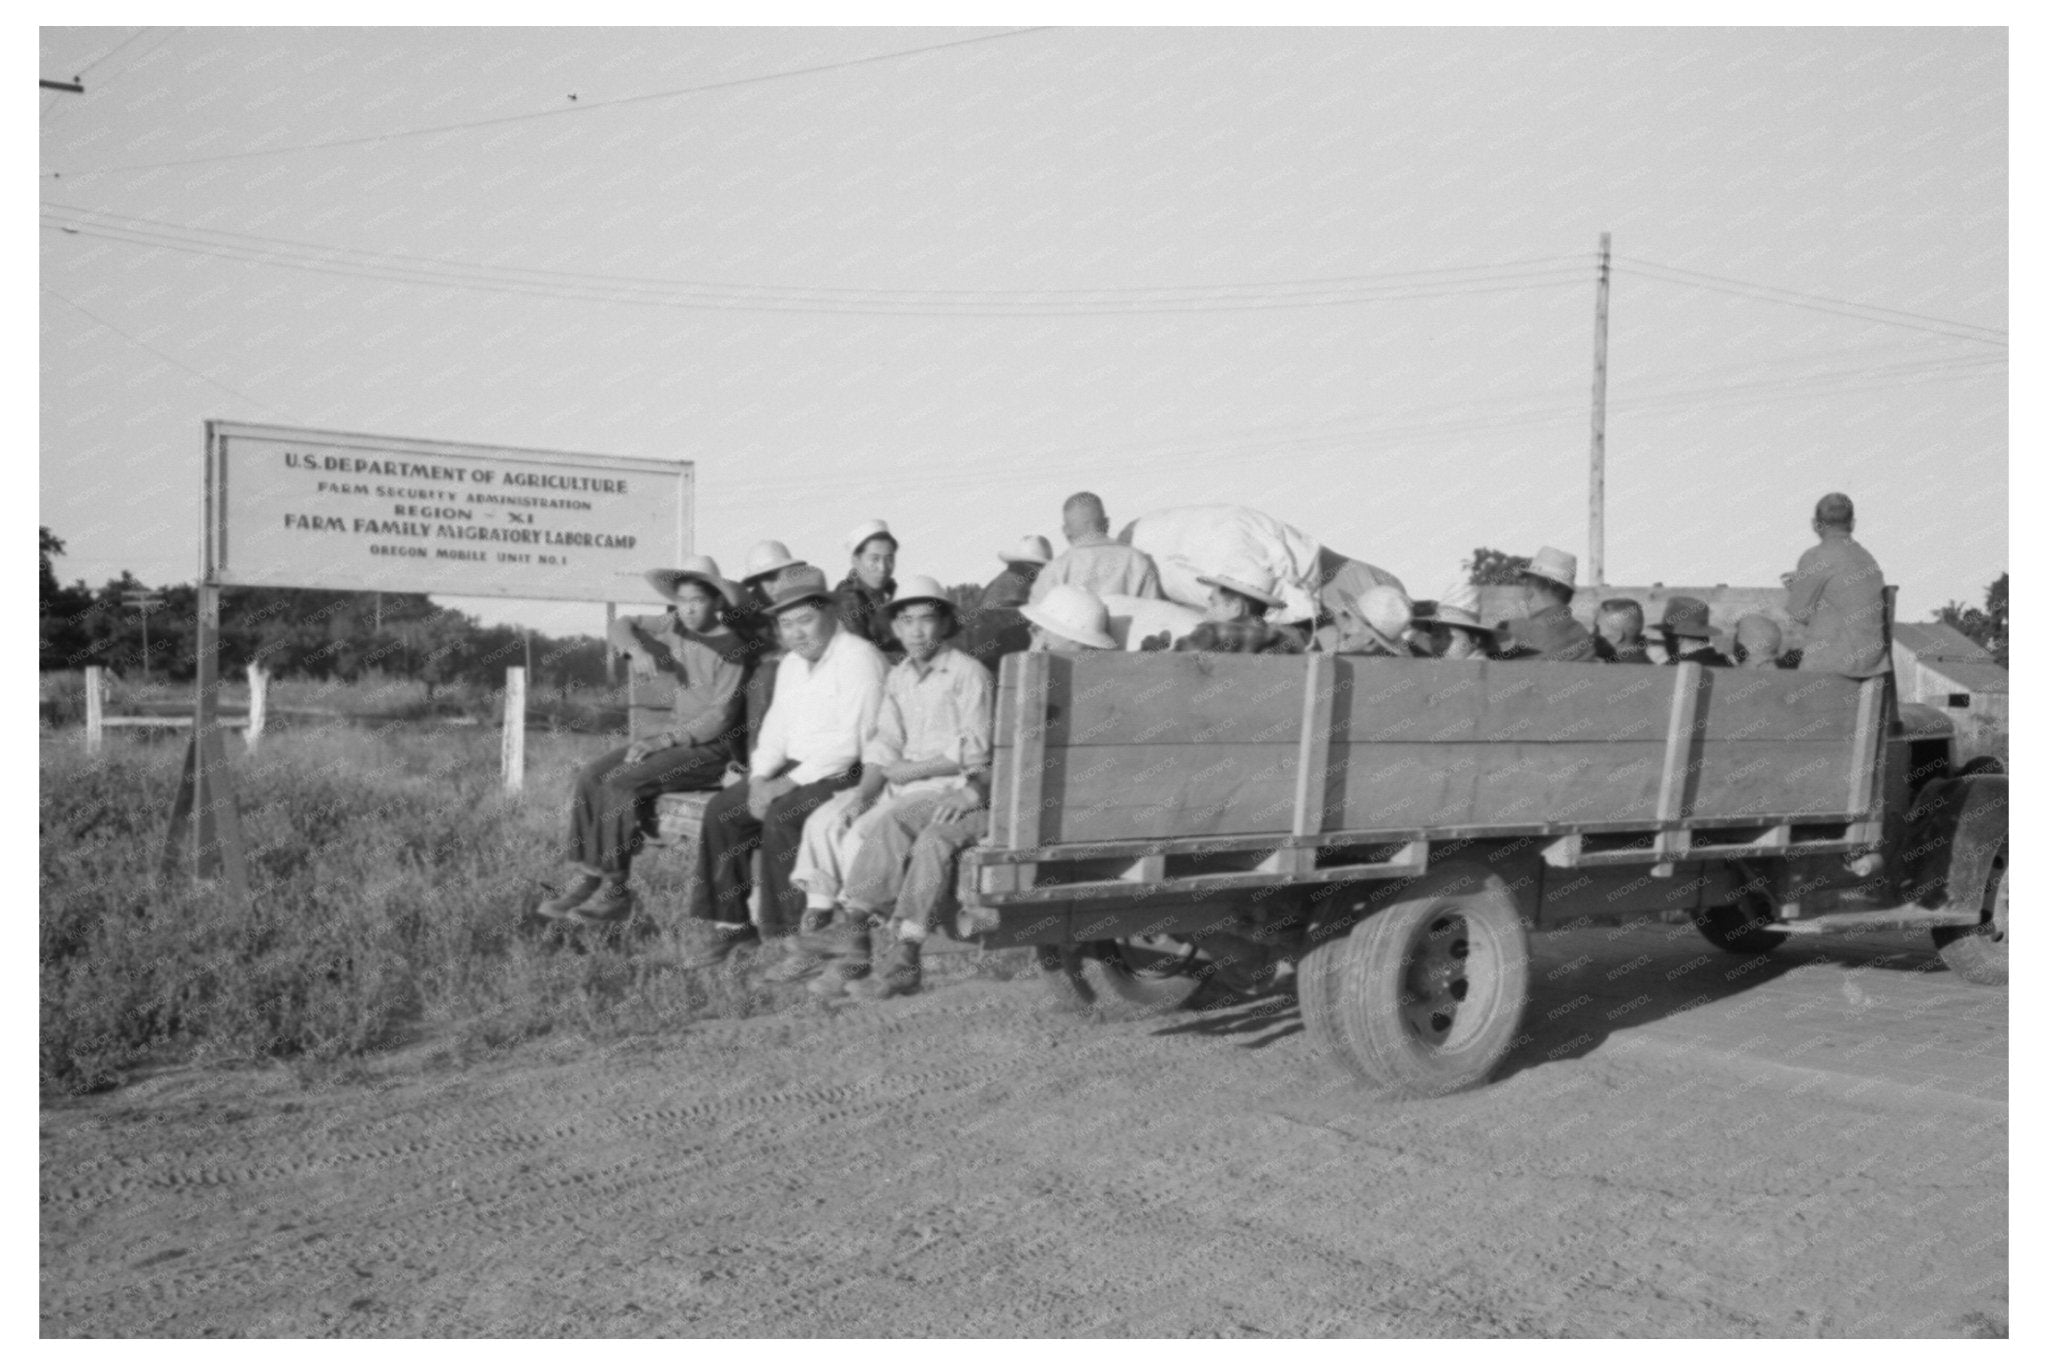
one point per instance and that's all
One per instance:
(1553, 633)
(1103, 566)
(821, 710)
(1837, 593)
(705, 669)
(1249, 636)
(860, 611)
(942, 710)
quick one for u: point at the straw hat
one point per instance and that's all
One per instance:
(768, 557)
(1259, 589)
(918, 587)
(696, 569)
(803, 584)
(1072, 614)
(1759, 636)
(865, 532)
(1385, 611)
(1686, 616)
(1555, 565)
(1030, 550)
(1459, 606)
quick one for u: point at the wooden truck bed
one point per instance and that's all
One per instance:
(1119, 774)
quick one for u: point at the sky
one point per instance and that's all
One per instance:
(946, 277)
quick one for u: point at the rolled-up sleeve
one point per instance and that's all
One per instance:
(977, 718)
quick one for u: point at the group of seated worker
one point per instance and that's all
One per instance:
(846, 730)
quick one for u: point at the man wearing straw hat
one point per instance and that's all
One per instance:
(995, 627)
(827, 692)
(1376, 622)
(1454, 626)
(868, 586)
(1237, 624)
(705, 663)
(767, 563)
(928, 753)
(1550, 631)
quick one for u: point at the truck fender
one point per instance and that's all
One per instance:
(1953, 833)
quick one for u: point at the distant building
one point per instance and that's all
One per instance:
(1939, 666)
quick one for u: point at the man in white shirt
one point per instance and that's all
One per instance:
(1094, 561)
(827, 692)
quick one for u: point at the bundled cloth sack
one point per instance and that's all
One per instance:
(1188, 543)
(1146, 623)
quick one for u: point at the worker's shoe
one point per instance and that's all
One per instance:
(707, 943)
(612, 903)
(802, 957)
(901, 976)
(580, 890)
(855, 950)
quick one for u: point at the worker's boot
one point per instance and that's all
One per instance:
(807, 950)
(580, 889)
(612, 903)
(901, 975)
(854, 949)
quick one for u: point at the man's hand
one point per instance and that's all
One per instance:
(646, 748)
(857, 805)
(763, 792)
(957, 805)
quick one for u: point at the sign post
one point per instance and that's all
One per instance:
(293, 508)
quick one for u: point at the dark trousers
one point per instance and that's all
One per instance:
(612, 797)
(725, 851)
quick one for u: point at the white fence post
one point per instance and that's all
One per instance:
(515, 730)
(258, 680)
(95, 707)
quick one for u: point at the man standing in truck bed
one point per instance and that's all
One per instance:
(1837, 593)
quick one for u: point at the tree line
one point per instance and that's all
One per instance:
(317, 633)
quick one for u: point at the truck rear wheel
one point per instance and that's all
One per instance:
(1425, 996)
(1149, 975)
(1978, 954)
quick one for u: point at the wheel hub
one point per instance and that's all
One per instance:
(1435, 983)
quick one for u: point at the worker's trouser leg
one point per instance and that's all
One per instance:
(825, 851)
(885, 837)
(725, 850)
(608, 807)
(929, 881)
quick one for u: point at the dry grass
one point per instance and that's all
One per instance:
(391, 876)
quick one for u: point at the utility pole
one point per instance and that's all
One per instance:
(145, 603)
(1596, 520)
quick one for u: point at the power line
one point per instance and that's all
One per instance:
(1893, 317)
(80, 74)
(372, 139)
(402, 270)
(160, 355)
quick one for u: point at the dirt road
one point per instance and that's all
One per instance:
(1686, 1144)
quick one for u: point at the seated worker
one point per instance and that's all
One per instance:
(1454, 629)
(1069, 620)
(1758, 642)
(931, 735)
(1618, 632)
(868, 586)
(1093, 560)
(1236, 622)
(1378, 622)
(1837, 593)
(827, 692)
(705, 663)
(767, 562)
(1687, 636)
(1550, 631)
(995, 628)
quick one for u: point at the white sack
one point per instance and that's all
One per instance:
(1190, 542)
(1135, 620)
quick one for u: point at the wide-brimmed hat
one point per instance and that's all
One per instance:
(1384, 611)
(918, 587)
(1257, 584)
(768, 557)
(696, 569)
(1555, 566)
(1459, 607)
(865, 532)
(1686, 616)
(1030, 550)
(1073, 613)
(802, 584)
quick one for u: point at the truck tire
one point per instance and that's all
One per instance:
(1428, 993)
(1978, 954)
(1742, 926)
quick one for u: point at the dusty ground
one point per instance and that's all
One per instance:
(1811, 1146)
